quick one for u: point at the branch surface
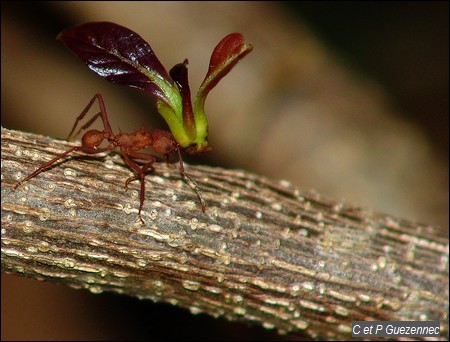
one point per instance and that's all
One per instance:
(264, 252)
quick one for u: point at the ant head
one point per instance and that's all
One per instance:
(93, 138)
(163, 142)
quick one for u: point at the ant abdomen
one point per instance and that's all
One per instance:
(93, 138)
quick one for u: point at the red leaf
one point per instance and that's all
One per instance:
(224, 57)
(179, 74)
(119, 55)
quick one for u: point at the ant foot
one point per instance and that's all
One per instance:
(128, 182)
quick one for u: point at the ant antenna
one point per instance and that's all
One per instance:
(192, 183)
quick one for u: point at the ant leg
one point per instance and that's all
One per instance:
(194, 184)
(86, 125)
(82, 115)
(47, 164)
(143, 169)
(102, 114)
(141, 177)
(148, 157)
(167, 159)
(140, 174)
(143, 156)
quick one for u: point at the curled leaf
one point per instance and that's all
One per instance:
(179, 74)
(224, 57)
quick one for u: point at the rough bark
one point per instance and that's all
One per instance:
(264, 251)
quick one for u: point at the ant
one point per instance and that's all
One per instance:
(130, 146)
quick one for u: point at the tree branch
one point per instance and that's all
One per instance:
(264, 252)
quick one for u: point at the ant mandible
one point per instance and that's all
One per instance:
(130, 146)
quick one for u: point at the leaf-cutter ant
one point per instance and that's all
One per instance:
(121, 56)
